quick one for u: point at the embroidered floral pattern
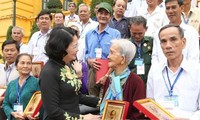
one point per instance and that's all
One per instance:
(68, 117)
(68, 75)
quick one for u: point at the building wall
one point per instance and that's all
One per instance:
(26, 11)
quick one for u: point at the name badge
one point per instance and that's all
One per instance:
(171, 101)
(139, 61)
(140, 69)
(18, 108)
(98, 52)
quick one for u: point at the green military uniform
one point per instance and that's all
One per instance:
(146, 52)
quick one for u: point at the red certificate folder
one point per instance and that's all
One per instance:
(34, 104)
(152, 109)
(103, 70)
(115, 110)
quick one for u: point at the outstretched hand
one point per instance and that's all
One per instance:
(77, 67)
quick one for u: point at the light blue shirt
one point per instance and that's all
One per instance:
(94, 40)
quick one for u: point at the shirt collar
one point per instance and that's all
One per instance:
(9, 67)
(123, 18)
(184, 65)
(89, 21)
(41, 34)
(105, 30)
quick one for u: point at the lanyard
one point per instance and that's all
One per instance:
(20, 91)
(139, 52)
(99, 37)
(186, 21)
(83, 27)
(39, 36)
(170, 90)
(8, 74)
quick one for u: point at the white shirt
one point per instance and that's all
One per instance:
(81, 42)
(23, 48)
(130, 11)
(139, 4)
(187, 87)
(155, 20)
(194, 3)
(8, 74)
(36, 46)
(70, 19)
(162, 5)
(191, 50)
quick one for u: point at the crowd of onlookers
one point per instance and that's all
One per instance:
(151, 49)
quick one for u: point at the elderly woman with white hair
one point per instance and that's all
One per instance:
(123, 84)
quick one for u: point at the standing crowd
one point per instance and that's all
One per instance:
(151, 49)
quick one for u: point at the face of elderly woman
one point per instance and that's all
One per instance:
(71, 50)
(24, 65)
(115, 58)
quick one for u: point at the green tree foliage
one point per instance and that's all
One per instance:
(78, 3)
(109, 1)
(33, 29)
(93, 3)
(54, 5)
(9, 33)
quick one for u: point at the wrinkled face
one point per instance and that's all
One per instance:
(171, 43)
(59, 19)
(137, 32)
(44, 22)
(84, 13)
(120, 7)
(71, 50)
(72, 8)
(24, 65)
(10, 53)
(173, 11)
(103, 16)
(115, 58)
(17, 35)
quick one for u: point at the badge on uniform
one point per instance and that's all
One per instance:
(18, 108)
(98, 52)
(172, 101)
(139, 62)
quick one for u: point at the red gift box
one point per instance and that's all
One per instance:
(103, 69)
